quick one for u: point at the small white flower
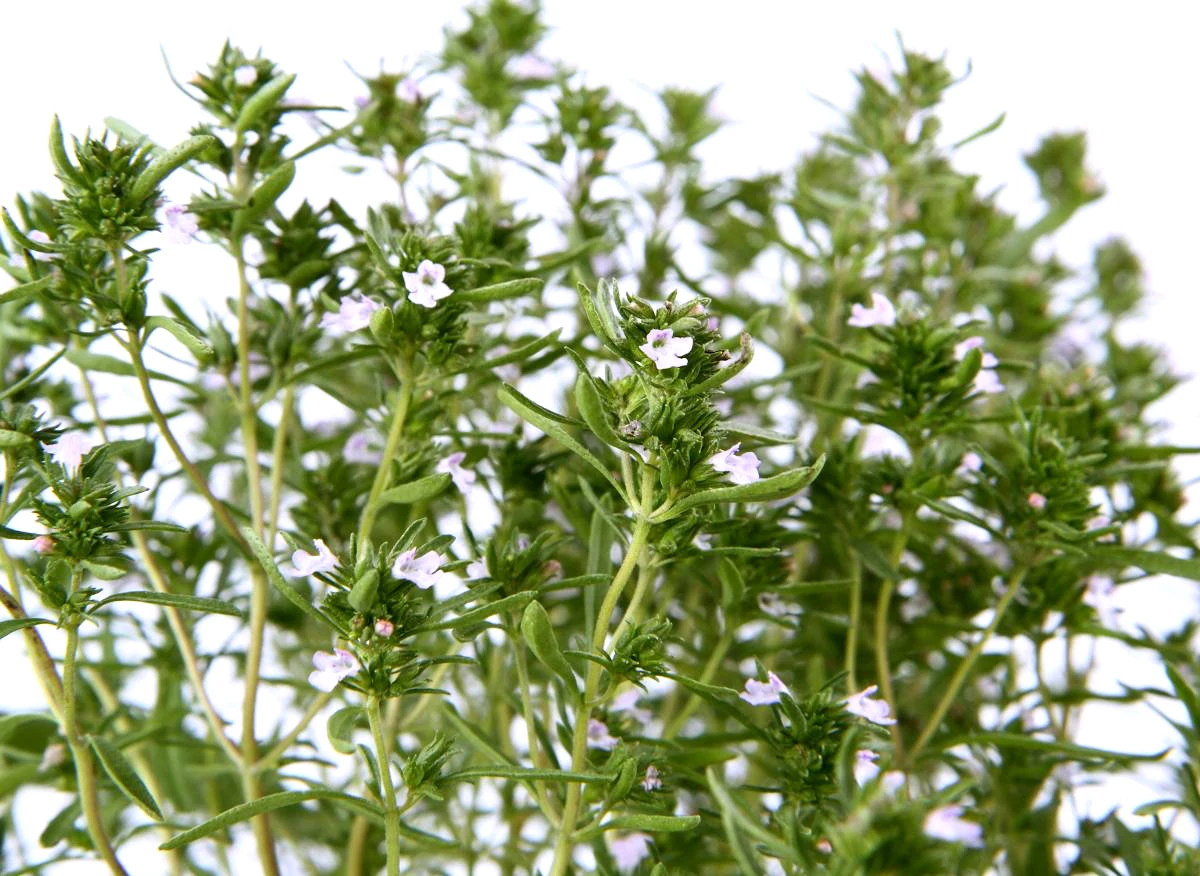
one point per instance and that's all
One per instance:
(773, 604)
(477, 570)
(666, 350)
(1099, 595)
(963, 347)
(652, 781)
(354, 313)
(452, 465)
(245, 76)
(626, 702)
(53, 756)
(764, 693)
(946, 823)
(70, 449)
(741, 467)
(309, 564)
(425, 286)
(424, 571)
(864, 765)
(408, 90)
(876, 711)
(359, 448)
(179, 224)
(40, 237)
(599, 737)
(971, 462)
(881, 312)
(533, 67)
(628, 850)
(987, 381)
(703, 541)
(331, 668)
(891, 781)
(1036, 501)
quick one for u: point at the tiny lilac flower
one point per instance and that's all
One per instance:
(358, 449)
(331, 668)
(773, 604)
(946, 823)
(864, 765)
(452, 465)
(384, 628)
(533, 67)
(362, 100)
(876, 711)
(881, 312)
(179, 224)
(626, 702)
(824, 846)
(652, 781)
(43, 544)
(891, 781)
(309, 564)
(666, 350)
(354, 313)
(426, 286)
(712, 324)
(1036, 501)
(764, 693)
(963, 347)
(424, 571)
(477, 570)
(741, 467)
(987, 381)
(702, 541)
(40, 237)
(628, 850)
(1099, 595)
(1100, 521)
(70, 449)
(599, 737)
(245, 76)
(408, 90)
(552, 570)
(971, 461)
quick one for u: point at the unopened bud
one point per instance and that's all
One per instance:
(384, 628)
(43, 544)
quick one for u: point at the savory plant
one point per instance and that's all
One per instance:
(552, 579)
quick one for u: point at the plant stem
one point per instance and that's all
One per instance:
(565, 844)
(882, 609)
(855, 621)
(391, 815)
(278, 447)
(540, 792)
(43, 663)
(706, 676)
(968, 662)
(383, 475)
(267, 761)
(85, 769)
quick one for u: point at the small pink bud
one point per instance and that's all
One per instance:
(824, 846)
(1036, 501)
(384, 628)
(553, 569)
(43, 544)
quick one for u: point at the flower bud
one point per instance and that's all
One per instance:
(384, 628)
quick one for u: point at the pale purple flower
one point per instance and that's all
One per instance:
(477, 570)
(452, 465)
(971, 462)
(40, 237)
(666, 350)
(599, 737)
(179, 224)
(875, 711)
(628, 849)
(532, 67)
(331, 668)
(362, 100)
(245, 76)
(963, 347)
(424, 571)
(946, 823)
(987, 381)
(773, 604)
(824, 846)
(891, 781)
(70, 449)
(354, 313)
(703, 541)
(426, 286)
(408, 90)
(741, 467)
(305, 563)
(1099, 595)
(1036, 501)
(626, 702)
(1100, 521)
(881, 312)
(864, 765)
(764, 693)
(712, 324)
(384, 628)
(652, 781)
(43, 544)
(359, 446)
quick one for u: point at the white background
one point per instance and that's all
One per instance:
(1126, 78)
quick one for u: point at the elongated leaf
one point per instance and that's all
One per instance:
(735, 815)
(270, 803)
(9, 438)
(552, 424)
(729, 371)
(341, 728)
(121, 771)
(523, 352)
(502, 291)
(539, 636)
(26, 290)
(89, 361)
(509, 603)
(1151, 561)
(146, 525)
(167, 162)
(415, 491)
(766, 490)
(33, 375)
(1029, 743)
(280, 583)
(507, 771)
(198, 346)
(20, 623)
(643, 821)
(750, 430)
(265, 98)
(591, 408)
(177, 600)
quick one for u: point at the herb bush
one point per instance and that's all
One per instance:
(531, 571)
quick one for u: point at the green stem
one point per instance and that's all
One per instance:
(855, 621)
(968, 662)
(565, 844)
(268, 760)
(541, 794)
(706, 676)
(43, 663)
(383, 475)
(882, 611)
(391, 815)
(278, 448)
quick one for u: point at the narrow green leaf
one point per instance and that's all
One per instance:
(506, 771)
(146, 525)
(5, 532)
(89, 361)
(523, 352)
(750, 430)
(176, 600)
(58, 153)
(539, 636)
(766, 490)
(270, 803)
(735, 815)
(21, 240)
(121, 771)
(280, 583)
(509, 603)
(415, 491)
(103, 571)
(641, 821)
(729, 372)
(20, 623)
(167, 162)
(9, 438)
(341, 726)
(26, 290)
(1151, 561)
(982, 132)
(503, 291)
(552, 424)
(267, 96)
(198, 346)
(61, 825)
(1029, 743)
(591, 408)
(366, 588)
(264, 196)
(33, 375)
